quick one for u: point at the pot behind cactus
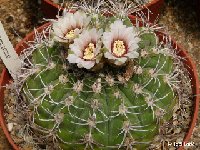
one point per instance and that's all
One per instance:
(150, 10)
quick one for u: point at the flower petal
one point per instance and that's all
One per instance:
(76, 50)
(120, 61)
(109, 55)
(72, 58)
(132, 54)
(88, 64)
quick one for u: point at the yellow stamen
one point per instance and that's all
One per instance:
(119, 48)
(70, 34)
(89, 52)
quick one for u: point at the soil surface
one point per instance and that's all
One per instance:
(19, 17)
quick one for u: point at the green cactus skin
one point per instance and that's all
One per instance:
(98, 111)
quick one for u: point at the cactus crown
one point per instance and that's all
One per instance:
(93, 81)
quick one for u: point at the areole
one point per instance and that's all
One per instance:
(5, 79)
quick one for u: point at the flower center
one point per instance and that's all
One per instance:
(119, 48)
(88, 53)
(70, 34)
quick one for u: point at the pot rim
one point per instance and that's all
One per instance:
(5, 78)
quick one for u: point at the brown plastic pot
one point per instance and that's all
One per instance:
(5, 79)
(50, 9)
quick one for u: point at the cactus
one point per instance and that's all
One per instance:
(106, 110)
(97, 82)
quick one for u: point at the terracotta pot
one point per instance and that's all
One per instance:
(5, 79)
(50, 9)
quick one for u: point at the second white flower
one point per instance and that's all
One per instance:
(121, 43)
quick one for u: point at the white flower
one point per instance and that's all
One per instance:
(121, 43)
(69, 25)
(85, 50)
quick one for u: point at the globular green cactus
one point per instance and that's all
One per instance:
(101, 110)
